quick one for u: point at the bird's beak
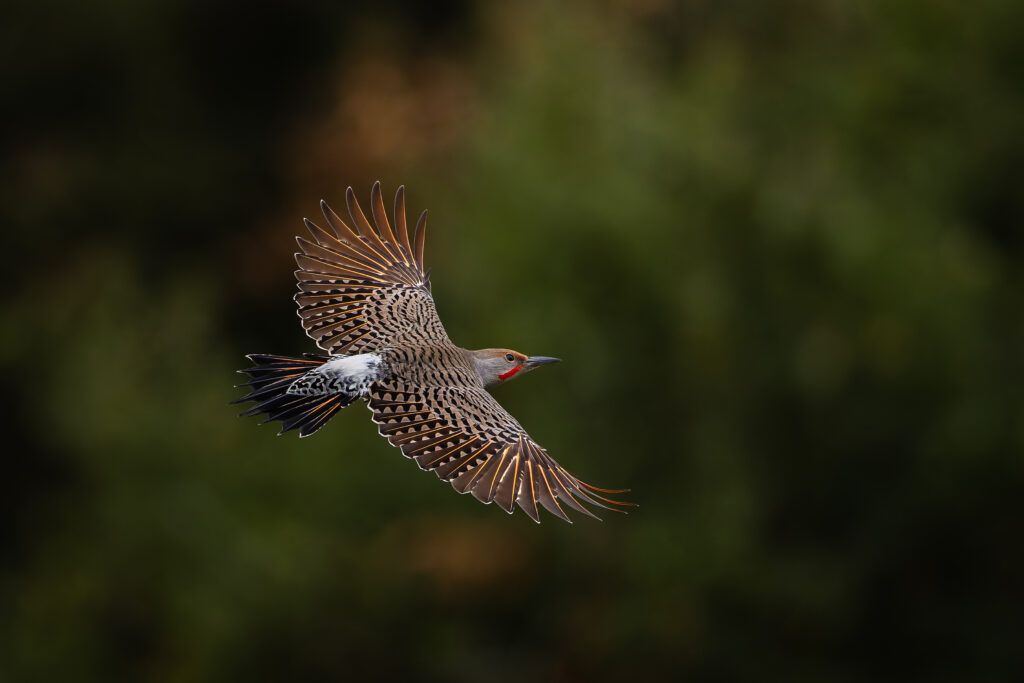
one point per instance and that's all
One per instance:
(535, 361)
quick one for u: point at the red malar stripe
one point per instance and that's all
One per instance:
(506, 375)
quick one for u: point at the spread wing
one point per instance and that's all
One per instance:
(468, 439)
(361, 289)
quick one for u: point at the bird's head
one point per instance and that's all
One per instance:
(497, 366)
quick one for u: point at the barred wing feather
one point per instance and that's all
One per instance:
(361, 289)
(466, 437)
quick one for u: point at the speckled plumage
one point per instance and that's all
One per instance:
(363, 291)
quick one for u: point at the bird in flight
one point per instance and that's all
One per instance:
(365, 299)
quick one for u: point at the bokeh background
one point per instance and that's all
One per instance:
(778, 244)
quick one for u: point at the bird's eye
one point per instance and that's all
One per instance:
(509, 357)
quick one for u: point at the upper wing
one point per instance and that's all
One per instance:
(360, 290)
(468, 439)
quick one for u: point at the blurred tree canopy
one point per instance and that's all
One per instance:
(779, 245)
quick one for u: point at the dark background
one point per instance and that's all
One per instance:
(778, 244)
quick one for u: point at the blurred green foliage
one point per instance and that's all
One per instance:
(778, 244)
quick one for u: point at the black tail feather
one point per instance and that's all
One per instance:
(271, 376)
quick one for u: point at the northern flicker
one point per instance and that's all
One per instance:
(365, 299)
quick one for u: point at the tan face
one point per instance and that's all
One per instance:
(497, 366)
(515, 363)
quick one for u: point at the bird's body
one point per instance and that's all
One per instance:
(365, 299)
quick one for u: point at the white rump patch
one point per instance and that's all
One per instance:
(361, 367)
(351, 375)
